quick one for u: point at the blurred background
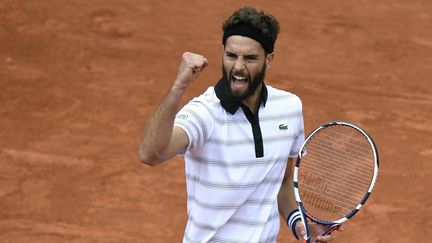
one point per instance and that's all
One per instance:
(78, 79)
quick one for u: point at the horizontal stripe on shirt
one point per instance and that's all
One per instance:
(207, 205)
(251, 141)
(245, 163)
(237, 221)
(232, 185)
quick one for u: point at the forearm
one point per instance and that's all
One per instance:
(286, 200)
(159, 127)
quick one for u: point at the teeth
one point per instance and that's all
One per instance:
(239, 77)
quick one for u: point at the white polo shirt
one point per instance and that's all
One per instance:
(235, 166)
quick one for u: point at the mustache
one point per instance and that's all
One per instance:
(239, 73)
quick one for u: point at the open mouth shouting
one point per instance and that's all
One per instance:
(239, 83)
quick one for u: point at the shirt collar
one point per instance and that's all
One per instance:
(228, 103)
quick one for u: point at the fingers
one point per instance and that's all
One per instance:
(328, 238)
(301, 233)
(325, 238)
(190, 68)
(195, 61)
(317, 229)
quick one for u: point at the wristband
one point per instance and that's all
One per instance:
(292, 218)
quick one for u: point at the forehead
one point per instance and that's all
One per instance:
(243, 45)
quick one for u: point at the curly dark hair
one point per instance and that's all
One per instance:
(265, 23)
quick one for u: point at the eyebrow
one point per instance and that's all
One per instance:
(254, 56)
(245, 56)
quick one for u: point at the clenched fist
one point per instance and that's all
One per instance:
(190, 68)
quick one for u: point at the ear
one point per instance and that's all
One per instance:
(269, 60)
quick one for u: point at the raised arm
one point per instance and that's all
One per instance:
(161, 140)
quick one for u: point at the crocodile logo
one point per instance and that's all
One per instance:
(283, 127)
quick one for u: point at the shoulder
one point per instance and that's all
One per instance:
(207, 100)
(202, 105)
(276, 95)
(208, 97)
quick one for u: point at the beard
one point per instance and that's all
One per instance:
(253, 84)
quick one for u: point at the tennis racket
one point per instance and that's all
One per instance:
(334, 175)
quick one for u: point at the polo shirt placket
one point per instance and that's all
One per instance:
(256, 130)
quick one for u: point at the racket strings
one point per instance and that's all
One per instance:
(331, 160)
(358, 148)
(327, 206)
(336, 172)
(363, 172)
(322, 203)
(354, 188)
(314, 193)
(360, 140)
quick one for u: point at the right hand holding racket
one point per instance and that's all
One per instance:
(315, 230)
(190, 68)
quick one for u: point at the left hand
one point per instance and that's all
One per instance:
(315, 231)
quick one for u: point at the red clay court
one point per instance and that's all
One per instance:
(79, 78)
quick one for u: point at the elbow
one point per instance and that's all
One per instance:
(148, 158)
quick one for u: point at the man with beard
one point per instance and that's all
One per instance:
(238, 139)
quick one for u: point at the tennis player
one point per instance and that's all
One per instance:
(238, 139)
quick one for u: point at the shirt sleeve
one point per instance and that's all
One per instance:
(194, 119)
(300, 137)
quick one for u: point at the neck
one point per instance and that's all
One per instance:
(254, 101)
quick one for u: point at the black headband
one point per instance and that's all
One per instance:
(251, 32)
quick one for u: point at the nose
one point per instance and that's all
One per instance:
(239, 64)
